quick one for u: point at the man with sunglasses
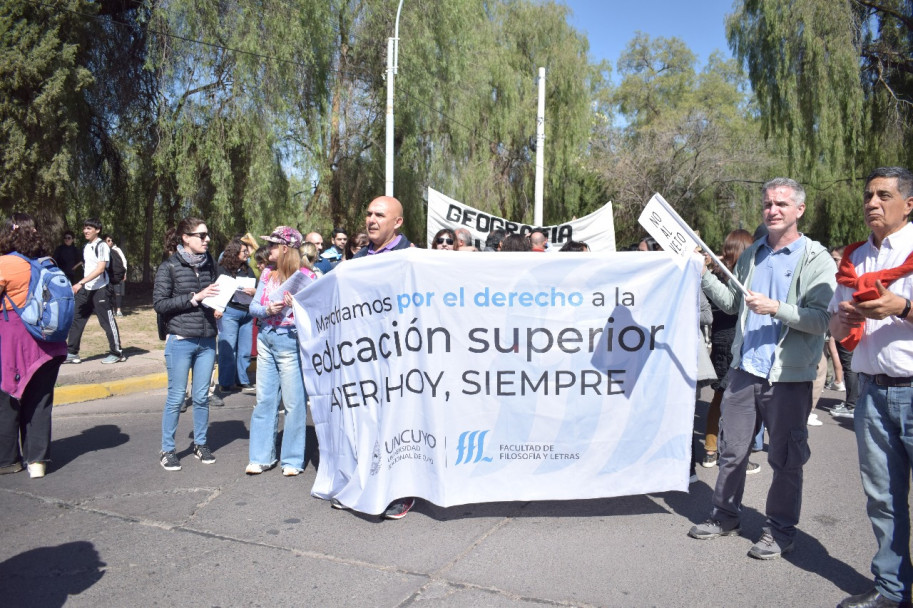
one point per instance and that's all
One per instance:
(94, 294)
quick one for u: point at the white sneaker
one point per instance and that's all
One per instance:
(290, 471)
(813, 420)
(838, 386)
(36, 470)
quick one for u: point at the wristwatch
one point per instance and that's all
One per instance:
(906, 311)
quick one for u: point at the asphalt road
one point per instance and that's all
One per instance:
(109, 527)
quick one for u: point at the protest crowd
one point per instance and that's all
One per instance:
(799, 316)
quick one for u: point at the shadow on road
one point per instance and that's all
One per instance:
(47, 576)
(101, 437)
(810, 554)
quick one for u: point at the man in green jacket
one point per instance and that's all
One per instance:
(779, 341)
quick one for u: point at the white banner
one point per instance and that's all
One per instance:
(596, 229)
(501, 376)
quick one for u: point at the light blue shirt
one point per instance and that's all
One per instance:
(772, 277)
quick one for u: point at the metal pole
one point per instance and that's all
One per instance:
(392, 68)
(540, 145)
(388, 182)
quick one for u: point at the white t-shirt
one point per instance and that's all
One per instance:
(887, 345)
(90, 262)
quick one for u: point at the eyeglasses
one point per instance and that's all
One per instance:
(444, 241)
(200, 235)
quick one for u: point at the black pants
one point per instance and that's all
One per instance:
(850, 378)
(26, 422)
(99, 302)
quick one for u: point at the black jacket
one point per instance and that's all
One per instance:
(403, 244)
(175, 280)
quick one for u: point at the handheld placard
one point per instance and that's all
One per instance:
(662, 222)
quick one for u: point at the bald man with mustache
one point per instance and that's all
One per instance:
(382, 221)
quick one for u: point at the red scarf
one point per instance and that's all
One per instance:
(865, 287)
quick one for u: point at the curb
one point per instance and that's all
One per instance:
(77, 393)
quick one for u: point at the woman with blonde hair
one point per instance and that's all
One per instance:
(309, 255)
(278, 360)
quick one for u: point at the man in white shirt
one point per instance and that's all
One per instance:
(871, 311)
(93, 294)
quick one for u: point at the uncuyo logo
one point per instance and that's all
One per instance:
(470, 447)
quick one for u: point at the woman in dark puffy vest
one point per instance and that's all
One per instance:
(182, 282)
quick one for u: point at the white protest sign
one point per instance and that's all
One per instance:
(661, 222)
(500, 376)
(597, 229)
(673, 234)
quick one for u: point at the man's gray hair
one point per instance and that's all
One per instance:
(785, 182)
(904, 178)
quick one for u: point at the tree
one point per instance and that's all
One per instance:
(687, 135)
(43, 108)
(834, 84)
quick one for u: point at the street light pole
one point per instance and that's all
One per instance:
(392, 67)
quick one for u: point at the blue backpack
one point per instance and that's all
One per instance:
(48, 310)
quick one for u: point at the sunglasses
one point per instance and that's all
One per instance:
(200, 235)
(444, 241)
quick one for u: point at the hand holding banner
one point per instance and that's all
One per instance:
(661, 222)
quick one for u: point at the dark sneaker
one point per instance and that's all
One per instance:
(203, 453)
(842, 411)
(871, 599)
(71, 358)
(187, 403)
(170, 461)
(399, 508)
(753, 467)
(11, 468)
(712, 529)
(247, 389)
(215, 400)
(710, 460)
(769, 547)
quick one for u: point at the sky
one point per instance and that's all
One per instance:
(611, 24)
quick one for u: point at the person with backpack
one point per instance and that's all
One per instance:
(94, 294)
(28, 365)
(182, 282)
(117, 273)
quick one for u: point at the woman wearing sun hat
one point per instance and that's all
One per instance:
(278, 361)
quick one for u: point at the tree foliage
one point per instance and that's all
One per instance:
(685, 134)
(254, 113)
(834, 84)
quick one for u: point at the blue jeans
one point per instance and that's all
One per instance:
(278, 369)
(236, 335)
(182, 357)
(884, 437)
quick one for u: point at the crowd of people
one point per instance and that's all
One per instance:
(794, 305)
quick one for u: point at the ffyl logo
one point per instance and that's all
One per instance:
(470, 447)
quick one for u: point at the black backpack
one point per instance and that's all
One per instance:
(116, 270)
